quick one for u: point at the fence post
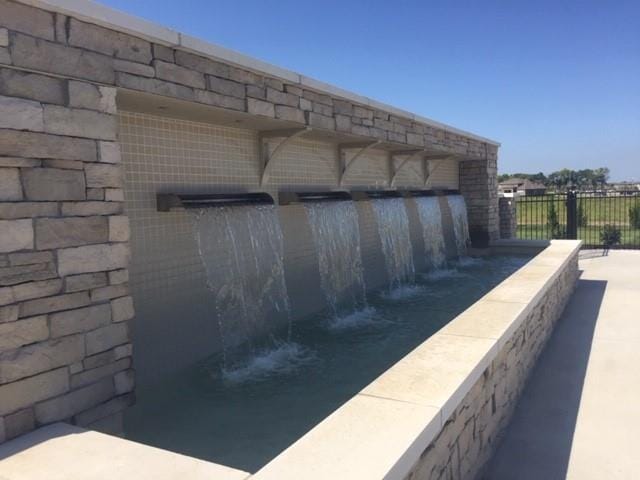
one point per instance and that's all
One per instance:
(507, 215)
(572, 215)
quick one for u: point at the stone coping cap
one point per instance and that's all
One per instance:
(517, 242)
(381, 432)
(101, 15)
(64, 452)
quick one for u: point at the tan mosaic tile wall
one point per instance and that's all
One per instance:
(163, 154)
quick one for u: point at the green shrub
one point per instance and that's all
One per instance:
(634, 216)
(583, 220)
(610, 235)
(557, 230)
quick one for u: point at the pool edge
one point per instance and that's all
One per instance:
(367, 443)
(407, 421)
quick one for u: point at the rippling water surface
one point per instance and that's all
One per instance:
(245, 416)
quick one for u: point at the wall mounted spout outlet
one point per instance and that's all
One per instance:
(287, 198)
(169, 201)
(432, 193)
(360, 195)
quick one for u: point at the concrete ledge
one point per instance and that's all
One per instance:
(63, 452)
(387, 429)
(516, 246)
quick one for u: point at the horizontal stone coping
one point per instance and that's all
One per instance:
(517, 242)
(381, 432)
(101, 15)
(516, 246)
(63, 452)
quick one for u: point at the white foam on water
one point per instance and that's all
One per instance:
(360, 318)
(443, 273)
(402, 292)
(286, 358)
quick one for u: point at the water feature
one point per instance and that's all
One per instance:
(243, 409)
(241, 248)
(458, 209)
(337, 241)
(431, 219)
(393, 228)
(246, 420)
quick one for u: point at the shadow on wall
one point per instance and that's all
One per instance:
(537, 442)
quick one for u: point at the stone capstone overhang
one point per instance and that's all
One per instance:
(85, 40)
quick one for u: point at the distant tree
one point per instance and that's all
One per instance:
(562, 179)
(600, 177)
(534, 177)
(538, 178)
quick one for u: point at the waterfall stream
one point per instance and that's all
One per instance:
(393, 228)
(460, 222)
(241, 248)
(431, 219)
(337, 240)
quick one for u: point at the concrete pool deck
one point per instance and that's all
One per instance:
(579, 415)
(64, 452)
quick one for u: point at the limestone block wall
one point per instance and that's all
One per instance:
(508, 218)
(56, 43)
(471, 433)
(64, 298)
(479, 186)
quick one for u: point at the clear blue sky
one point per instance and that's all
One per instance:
(557, 82)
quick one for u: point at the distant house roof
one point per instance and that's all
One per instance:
(522, 183)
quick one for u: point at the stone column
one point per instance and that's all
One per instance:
(65, 351)
(479, 186)
(508, 219)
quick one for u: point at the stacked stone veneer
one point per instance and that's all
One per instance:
(66, 46)
(64, 303)
(508, 218)
(479, 186)
(471, 433)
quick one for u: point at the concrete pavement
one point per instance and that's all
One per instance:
(579, 416)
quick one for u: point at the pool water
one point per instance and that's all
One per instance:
(244, 416)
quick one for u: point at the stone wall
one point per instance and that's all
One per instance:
(479, 186)
(508, 218)
(55, 43)
(64, 303)
(471, 433)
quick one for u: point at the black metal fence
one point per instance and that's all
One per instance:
(602, 219)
